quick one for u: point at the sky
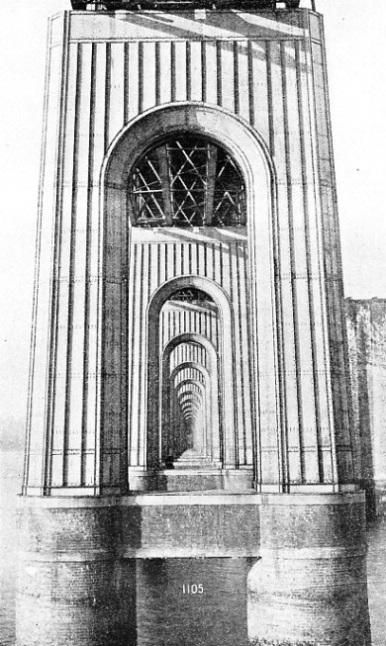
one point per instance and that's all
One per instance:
(356, 51)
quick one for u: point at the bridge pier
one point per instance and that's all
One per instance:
(309, 587)
(189, 298)
(78, 576)
(73, 586)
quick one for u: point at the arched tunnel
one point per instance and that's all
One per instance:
(190, 403)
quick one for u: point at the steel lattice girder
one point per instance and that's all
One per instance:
(188, 181)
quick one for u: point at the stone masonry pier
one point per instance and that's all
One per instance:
(77, 564)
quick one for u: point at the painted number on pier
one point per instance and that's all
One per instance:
(192, 588)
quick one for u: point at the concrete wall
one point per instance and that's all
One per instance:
(366, 324)
(309, 587)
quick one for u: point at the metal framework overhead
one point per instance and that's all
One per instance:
(187, 181)
(191, 295)
(116, 5)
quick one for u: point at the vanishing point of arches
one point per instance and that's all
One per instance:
(222, 385)
(191, 408)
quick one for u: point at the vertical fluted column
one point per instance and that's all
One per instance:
(46, 283)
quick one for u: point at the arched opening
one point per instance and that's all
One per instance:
(233, 261)
(191, 429)
(191, 425)
(187, 180)
(189, 376)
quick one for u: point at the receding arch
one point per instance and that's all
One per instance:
(190, 364)
(167, 289)
(218, 408)
(251, 154)
(213, 422)
(187, 337)
(225, 395)
(205, 381)
(193, 382)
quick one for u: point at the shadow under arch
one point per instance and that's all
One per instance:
(250, 152)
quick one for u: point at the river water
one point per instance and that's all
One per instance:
(220, 621)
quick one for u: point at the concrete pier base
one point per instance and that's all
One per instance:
(78, 558)
(80, 579)
(309, 587)
(73, 588)
(82, 604)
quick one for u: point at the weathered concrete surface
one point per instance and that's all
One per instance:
(310, 588)
(366, 326)
(77, 571)
(77, 567)
(146, 526)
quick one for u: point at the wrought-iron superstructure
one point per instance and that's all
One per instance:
(132, 5)
(187, 181)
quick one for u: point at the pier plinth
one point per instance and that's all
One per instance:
(73, 586)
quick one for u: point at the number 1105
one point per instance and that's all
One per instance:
(192, 589)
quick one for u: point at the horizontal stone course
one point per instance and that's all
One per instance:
(104, 533)
(69, 530)
(300, 527)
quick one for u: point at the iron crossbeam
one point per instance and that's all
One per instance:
(176, 5)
